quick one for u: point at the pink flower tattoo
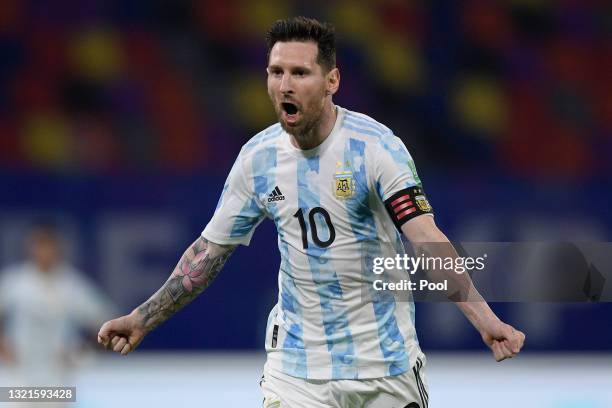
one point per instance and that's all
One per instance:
(193, 272)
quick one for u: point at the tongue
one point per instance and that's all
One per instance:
(290, 117)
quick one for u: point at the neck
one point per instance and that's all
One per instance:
(320, 132)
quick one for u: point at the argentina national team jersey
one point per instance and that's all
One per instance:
(328, 204)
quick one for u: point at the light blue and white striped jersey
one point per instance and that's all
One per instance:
(328, 207)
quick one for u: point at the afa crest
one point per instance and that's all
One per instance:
(422, 202)
(344, 185)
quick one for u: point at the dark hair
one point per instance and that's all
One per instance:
(306, 29)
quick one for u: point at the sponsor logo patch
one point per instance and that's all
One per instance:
(276, 195)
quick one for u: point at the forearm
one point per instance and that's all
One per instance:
(195, 271)
(434, 244)
(478, 313)
(461, 287)
(429, 240)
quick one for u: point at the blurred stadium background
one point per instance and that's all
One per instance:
(121, 119)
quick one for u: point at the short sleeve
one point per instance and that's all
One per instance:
(238, 211)
(397, 182)
(89, 307)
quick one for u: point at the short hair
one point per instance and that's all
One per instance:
(306, 29)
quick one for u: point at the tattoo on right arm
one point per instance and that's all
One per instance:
(197, 268)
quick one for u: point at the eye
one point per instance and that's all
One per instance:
(300, 73)
(276, 72)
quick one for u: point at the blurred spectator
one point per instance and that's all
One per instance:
(44, 302)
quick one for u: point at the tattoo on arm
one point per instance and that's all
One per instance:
(198, 267)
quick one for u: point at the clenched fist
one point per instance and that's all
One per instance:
(123, 334)
(504, 340)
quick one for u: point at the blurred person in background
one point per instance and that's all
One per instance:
(340, 188)
(45, 303)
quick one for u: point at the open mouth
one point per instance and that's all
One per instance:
(289, 108)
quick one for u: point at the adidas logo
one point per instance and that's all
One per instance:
(276, 195)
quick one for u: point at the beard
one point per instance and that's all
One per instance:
(305, 129)
(310, 118)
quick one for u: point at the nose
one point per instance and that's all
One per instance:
(286, 85)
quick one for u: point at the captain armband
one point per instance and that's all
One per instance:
(407, 204)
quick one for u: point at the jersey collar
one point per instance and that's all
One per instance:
(323, 146)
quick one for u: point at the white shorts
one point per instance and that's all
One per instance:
(408, 390)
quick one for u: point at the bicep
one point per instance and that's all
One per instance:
(394, 167)
(238, 212)
(211, 248)
(397, 183)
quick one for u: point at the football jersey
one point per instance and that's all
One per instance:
(44, 314)
(336, 207)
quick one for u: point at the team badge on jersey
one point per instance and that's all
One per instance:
(344, 184)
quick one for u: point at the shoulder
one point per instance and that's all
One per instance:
(268, 136)
(70, 273)
(372, 135)
(14, 274)
(75, 278)
(384, 150)
(365, 128)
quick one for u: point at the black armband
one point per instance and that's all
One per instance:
(407, 204)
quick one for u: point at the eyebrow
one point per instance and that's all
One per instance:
(291, 68)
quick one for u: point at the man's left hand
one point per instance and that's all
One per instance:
(504, 340)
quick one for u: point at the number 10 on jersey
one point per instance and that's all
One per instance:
(322, 212)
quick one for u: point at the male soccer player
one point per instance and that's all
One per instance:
(44, 303)
(340, 187)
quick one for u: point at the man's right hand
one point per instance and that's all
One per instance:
(123, 334)
(196, 269)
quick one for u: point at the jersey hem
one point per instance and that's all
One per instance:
(367, 370)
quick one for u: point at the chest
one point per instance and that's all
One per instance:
(40, 300)
(315, 199)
